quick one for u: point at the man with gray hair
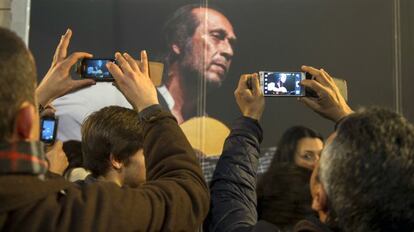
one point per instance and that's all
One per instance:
(364, 181)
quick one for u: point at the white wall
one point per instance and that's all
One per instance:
(5, 13)
(15, 14)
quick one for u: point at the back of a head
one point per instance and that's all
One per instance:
(283, 195)
(113, 130)
(17, 79)
(367, 172)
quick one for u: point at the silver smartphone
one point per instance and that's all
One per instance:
(282, 84)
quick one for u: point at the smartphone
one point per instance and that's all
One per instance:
(48, 126)
(284, 84)
(96, 69)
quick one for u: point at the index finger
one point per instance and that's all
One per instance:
(73, 58)
(314, 85)
(116, 72)
(243, 81)
(318, 74)
(62, 48)
(144, 63)
(123, 63)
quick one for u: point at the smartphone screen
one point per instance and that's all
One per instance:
(96, 69)
(48, 130)
(282, 83)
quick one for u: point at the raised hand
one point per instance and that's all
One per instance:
(57, 81)
(133, 80)
(329, 103)
(249, 96)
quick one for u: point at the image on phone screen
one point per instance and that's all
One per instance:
(96, 69)
(282, 83)
(48, 130)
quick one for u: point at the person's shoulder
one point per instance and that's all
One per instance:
(88, 189)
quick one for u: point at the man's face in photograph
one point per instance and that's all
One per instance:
(210, 50)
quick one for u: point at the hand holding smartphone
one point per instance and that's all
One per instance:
(95, 69)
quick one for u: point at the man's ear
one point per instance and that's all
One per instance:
(26, 122)
(117, 165)
(176, 49)
(319, 201)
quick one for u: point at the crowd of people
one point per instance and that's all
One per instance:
(142, 174)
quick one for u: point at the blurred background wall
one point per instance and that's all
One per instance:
(369, 43)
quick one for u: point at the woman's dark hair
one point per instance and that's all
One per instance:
(286, 147)
(283, 195)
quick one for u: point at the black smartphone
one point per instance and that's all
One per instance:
(282, 84)
(48, 129)
(95, 69)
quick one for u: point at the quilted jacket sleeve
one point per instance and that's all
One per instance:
(233, 188)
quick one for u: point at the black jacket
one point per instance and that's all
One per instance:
(233, 187)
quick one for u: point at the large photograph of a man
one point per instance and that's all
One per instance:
(206, 45)
(200, 47)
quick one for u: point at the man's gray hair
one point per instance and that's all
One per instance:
(368, 172)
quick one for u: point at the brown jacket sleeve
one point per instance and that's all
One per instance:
(175, 198)
(176, 185)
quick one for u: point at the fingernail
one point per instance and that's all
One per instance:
(126, 54)
(67, 31)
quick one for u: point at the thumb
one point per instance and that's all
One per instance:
(58, 144)
(55, 147)
(78, 84)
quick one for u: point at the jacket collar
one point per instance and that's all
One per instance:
(22, 158)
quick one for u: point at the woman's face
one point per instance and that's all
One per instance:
(308, 152)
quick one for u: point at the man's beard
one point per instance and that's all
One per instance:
(195, 78)
(194, 73)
